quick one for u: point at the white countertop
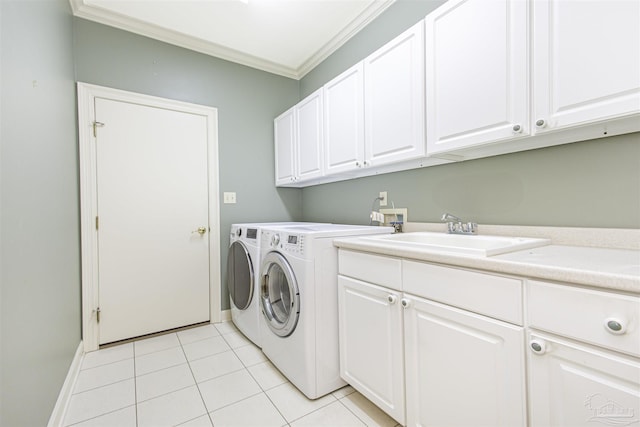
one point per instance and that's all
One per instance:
(608, 268)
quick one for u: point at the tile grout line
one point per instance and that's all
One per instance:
(135, 382)
(348, 409)
(265, 391)
(97, 416)
(195, 381)
(101, 386)
(317, 409)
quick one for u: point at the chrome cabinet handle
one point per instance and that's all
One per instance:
(615, 326)
(541, 123)
(405, 303)
(392, 299)
(517, 128)
(538, 346)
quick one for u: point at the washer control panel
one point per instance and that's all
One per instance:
(284, 241)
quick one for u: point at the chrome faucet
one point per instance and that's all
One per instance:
(456, 225)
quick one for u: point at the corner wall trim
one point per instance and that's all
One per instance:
(60, 409)
(225, 315)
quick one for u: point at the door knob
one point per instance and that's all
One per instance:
(200, 231)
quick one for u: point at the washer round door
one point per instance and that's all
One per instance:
(240, 278)
(279, 295)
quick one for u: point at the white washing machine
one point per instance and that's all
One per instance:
(243, 269)
(299, 301)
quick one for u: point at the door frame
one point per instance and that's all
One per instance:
(87, 94)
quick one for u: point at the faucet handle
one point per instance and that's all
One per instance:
(448, 217)
(470, 228)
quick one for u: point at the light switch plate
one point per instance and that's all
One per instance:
(229, 197)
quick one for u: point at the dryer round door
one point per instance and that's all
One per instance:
(240, 278)
(279, 295)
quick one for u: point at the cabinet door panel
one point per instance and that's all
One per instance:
(310, 136)
(394, 100)
(371, 356)
(575, 385)
(344, 121)
(476, 73)
(284, 129)
(586, 61)
(462, 369)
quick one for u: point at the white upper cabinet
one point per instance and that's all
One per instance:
(586, 61)
(344, 121)
(374, 112)
(476, 73)
(310, 137)
(299, 142)
(476, 78)
(394, 100)
(285, 133)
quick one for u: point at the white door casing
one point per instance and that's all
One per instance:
(88, 97)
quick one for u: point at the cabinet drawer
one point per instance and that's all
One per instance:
(380, 270)
(586, 315)
(494, 296)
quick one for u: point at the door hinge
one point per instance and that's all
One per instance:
(97, 223)
(96, 125)
(97, 311)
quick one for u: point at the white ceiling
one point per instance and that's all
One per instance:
(286, 37)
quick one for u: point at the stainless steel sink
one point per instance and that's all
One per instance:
(477, 245)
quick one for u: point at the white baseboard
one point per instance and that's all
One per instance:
(225, 315)
(60, 410)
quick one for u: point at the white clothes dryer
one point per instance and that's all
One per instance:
(299, 301)
(243, 269)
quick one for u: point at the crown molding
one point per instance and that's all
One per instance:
(364, 19)
(107, 17)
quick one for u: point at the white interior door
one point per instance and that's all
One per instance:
(153, 219)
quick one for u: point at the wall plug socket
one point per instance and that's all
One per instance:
(383, 198)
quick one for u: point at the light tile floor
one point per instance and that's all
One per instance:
(204, 376)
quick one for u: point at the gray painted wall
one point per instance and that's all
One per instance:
(40, 259)
(587, 184)
(247, 101)
(594, 183)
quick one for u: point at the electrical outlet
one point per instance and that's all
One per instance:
(383, 198)
(229, 197)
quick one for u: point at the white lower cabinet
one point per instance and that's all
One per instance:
(423, 362)
(462, 369)
(582, 357)
(371, 353)
(571, 384)
(433, 345)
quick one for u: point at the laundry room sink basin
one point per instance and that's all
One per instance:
(458, 243)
